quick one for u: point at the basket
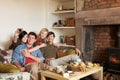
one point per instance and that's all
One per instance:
(70, 22)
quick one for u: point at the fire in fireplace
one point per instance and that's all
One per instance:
(114, 60)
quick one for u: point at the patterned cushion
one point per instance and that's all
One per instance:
(2, 55)
(5, 56)
(15, 76)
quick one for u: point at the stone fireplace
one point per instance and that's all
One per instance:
(98, 33)
(97, 28)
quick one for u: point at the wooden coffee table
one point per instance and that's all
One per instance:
(75, 76)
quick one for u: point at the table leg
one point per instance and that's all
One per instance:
(100, 73)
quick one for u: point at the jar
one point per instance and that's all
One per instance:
(60, 7)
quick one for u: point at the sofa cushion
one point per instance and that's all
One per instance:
(61, 53)
(8, 68)
(5, 56)
(71, 51)
(2, 54)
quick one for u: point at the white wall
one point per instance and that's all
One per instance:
(31, 15)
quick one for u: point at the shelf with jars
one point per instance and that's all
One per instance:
(62, 18)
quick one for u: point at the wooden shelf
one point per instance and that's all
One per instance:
(62, 0)
(63, 27)
(63, 11)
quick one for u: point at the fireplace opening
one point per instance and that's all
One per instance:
(97, 40)
(114, 56)
(114, 60)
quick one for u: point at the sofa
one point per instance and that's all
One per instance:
(10, 72)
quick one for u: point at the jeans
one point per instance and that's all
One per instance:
(64, 60)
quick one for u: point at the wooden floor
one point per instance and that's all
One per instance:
(111, 76)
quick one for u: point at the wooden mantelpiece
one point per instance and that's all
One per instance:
(98, 17)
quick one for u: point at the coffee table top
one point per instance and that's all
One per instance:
(73, 76)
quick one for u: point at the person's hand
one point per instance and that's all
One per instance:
(47, 60)
(57, 45)
(17, 32)
(77, 51)
(16, 35)
(43, 45)
(26, 53)
(22, 69)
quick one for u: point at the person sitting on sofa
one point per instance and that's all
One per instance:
(17, 39)
(41, 39)
(51, 55)
(31, 62)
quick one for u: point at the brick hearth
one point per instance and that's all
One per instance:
(104, 38)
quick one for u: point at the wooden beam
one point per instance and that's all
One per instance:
(98, 17)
